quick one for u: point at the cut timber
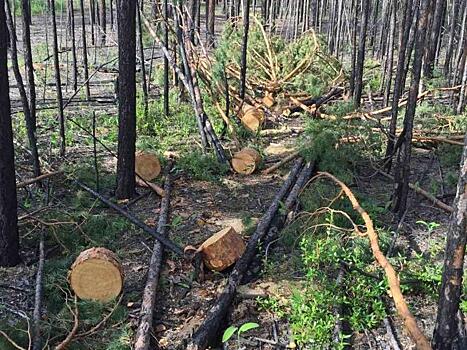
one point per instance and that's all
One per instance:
(222, 249)
(252, 118)
(147, 165)
(246, 161)
(96, 274)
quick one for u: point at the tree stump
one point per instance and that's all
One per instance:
(222, 249)
(252, 118)
(147, 165)
(246, 161)
(96, 274)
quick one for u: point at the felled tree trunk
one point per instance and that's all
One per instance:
(446, 334)
(246, 161)
(142, 339)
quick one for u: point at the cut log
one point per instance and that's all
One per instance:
(147, 165)
(246, 161)
(252, 118)
(96, 274)
(222, 249)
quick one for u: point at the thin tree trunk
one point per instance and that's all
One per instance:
(166, 61)
(144, 84)
(402, 173)
(73, 44)
(243, 64)
(85, 50)
(103, 21)
(58, 80)
(361, 54)
(26, 20)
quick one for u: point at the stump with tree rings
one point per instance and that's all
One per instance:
(96, 274)
(147, 165)
(246, 161)
(252, 118)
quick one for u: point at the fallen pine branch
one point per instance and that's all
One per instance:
(142, 339)
(209, 329)
(276, 166)
(393, 280)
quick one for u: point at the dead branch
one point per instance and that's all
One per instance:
(11, 341)
(281, 163)
(37, 179)
(64, 344)
(36, 316)
(142, 339)
(393, 279)
(210, 327)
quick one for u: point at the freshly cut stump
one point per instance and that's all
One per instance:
(252, 118)
(147, 165)
(246, 161)
(222, 249)
(96, 274)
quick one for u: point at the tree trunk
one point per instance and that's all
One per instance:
(71, 10)
(26, 18)
(103, 21)
(126, 17)
(243, 65)
(210, 22)
(9, 239)
(402, 172)
(446, 333)
(85, 50)
(166, 61)
(58, 81)
(361, 54)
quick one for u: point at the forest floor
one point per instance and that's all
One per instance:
(205, 199)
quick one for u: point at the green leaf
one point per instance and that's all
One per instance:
(228, 333)
(247, 326)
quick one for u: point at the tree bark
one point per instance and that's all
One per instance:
(85, 50)
(126, 17)
(71, 10)
(445, 334)
(103, 21)
(243, 65)
(9, 239)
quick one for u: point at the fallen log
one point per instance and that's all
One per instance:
(37, 179)
(210, 327)
(142, 339)
(135, 221)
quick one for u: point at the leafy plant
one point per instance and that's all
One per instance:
(230, 331)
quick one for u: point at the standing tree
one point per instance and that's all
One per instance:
(9, 240)
(246, 27)
(26, 18)
(126, 17)
(358, 84)
(404, 143)
(449, 297)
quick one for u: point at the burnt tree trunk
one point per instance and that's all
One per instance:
(243, 65)
(71, 9)
(58, 80)
(26, 20)
(446, 332)
(9, 239)
(126, 18)
(404, 146)
(361, 54)
(85, 50)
